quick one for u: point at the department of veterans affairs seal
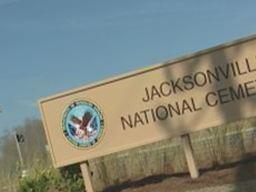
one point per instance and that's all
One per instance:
(83, 124)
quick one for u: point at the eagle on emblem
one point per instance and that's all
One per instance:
(83, 128)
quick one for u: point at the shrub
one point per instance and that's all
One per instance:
(51, 180)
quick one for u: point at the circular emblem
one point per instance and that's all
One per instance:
(83, 124)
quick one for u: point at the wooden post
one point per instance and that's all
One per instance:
(187, 147)
(87, 176)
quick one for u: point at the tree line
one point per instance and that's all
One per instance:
(32, 146)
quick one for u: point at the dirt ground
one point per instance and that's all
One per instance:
(235, 174)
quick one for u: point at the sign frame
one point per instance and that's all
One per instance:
(127, 76)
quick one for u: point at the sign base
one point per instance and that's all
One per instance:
(187, 147)
(85, 169)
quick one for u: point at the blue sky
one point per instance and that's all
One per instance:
(49, 46)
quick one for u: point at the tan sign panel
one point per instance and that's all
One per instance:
(195, 92)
